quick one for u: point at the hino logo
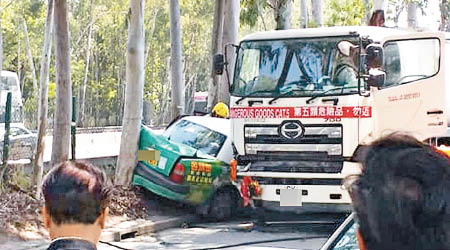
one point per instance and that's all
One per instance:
(291, 129)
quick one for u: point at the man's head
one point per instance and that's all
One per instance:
(76, 199)
(402, 197)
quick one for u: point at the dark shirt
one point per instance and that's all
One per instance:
(71, 244)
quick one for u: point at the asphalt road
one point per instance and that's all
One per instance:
(284, 231)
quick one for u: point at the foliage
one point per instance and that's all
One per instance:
(345, 12)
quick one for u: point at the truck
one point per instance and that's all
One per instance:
(303, 101)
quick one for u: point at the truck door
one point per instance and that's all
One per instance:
(413, 97)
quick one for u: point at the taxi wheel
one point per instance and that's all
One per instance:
(222, 205)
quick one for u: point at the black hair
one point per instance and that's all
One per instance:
(402, 196)
(375, 14)
(75, 192)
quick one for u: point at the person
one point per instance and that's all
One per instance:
(345, 73)
(220, 110)
(76, 198)
(402, 196)
(377, 18)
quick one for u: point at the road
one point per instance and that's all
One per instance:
(298, 232)
(286, 231)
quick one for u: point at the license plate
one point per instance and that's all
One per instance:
(290, 196)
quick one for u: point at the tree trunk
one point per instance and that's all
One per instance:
(29, 54)
(368, 14)
(63, 112)
(82, 97)
(150, 36)
(380, 5)
(43, 100)
(215, 49)
(230, 33)
(303, 14)
(176, 76)
(316, 6)
(283, 14)
(412, 15)
(1, 43)
(445, 16)
(132, 116)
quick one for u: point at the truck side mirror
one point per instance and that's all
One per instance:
(218, 64)
(376, 78)
(374, 56)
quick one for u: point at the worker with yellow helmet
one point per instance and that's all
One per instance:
(220, 110)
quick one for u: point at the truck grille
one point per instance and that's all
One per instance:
(315, 140)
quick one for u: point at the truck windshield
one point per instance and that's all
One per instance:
(296, 67)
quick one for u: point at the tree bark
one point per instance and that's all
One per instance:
(303, 14)
(230, 36)
(412, 15)
(283, 14)
(445, 16)
(82, 97)
(43, 100)
(132, 116)
(380, 4)
(176, 76)
(316, 6)
(63, 112)
(1, 43)
(215, 49)
(29, 54)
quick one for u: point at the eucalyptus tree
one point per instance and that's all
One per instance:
(135, 76)
(43, 99)
(176, 75)
(62, 120)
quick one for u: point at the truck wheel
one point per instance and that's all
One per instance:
(222, 205)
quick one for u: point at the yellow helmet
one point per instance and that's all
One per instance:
(220, 110)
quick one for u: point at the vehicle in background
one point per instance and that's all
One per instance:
(194, 168)
(344, 238)
(201, 103)
(303, 101)
(10, 83)
(21, 140)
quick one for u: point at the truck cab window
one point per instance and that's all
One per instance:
(407, 61)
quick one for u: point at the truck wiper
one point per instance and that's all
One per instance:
(326, 91)
(251, 94)
(287, 93)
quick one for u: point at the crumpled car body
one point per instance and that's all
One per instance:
(200, 146)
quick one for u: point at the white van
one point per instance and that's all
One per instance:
(10, 83)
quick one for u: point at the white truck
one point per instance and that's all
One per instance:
(9, 82)
(303, 101)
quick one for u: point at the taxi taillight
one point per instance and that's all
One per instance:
(177, 174)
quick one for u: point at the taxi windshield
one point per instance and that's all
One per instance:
(298, 67)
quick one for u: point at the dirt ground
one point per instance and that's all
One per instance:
(20, 211)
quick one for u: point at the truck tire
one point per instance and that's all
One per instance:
(222, 205)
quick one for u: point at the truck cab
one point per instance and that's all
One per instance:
(303, 101)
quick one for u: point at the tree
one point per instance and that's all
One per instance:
(345, 12)
(230, 33)
(412, 15)
(216, 43)
(82, 92)
(282, 13)
(176, 76)
(62, 120)
(135, 76)
(316, 6)
(43, 100)
(29, 53)
(303, 14)
(445, 16)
